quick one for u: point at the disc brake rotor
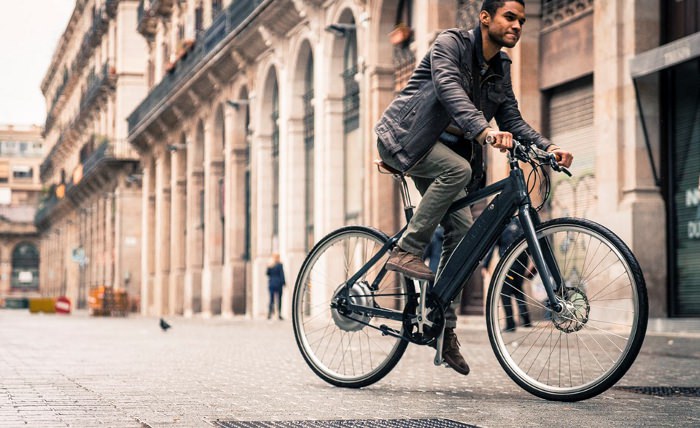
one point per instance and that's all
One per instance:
(575, 311)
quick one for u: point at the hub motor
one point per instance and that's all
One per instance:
(359, 294)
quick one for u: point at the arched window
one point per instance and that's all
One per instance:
(25, 266)
(351, 100)
(275, 163)
(309, 149)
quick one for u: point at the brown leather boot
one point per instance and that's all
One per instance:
(451, 354)
(408, 264)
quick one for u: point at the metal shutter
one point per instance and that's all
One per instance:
(571, 127)
(686, 192)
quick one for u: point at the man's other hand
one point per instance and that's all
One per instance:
(564, 158)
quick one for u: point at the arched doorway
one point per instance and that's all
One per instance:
(25, 267)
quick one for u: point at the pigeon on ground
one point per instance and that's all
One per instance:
(164, 325)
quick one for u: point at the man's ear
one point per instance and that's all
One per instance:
(484, 18)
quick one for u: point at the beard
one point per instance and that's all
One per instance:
(502, 41)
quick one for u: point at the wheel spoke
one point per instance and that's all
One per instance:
(585, 348)
(345, 346)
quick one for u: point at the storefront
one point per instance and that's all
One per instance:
(676, 65)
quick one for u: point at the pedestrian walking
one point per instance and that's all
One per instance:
(434, 249)
(513, 289)
(275, 284)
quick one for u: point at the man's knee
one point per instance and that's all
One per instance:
(461, 172)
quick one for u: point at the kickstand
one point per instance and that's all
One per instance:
(438, 348)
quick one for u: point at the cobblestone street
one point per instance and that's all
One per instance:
(81, 371)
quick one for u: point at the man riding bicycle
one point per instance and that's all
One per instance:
(435, 126)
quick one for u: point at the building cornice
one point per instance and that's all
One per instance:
(61, 47)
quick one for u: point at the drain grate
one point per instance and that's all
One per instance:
(346, 423)
(662, 391)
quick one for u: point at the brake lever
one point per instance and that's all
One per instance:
(555, 166)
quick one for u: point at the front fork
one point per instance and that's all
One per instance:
(543, 257)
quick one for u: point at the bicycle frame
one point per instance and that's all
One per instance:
(510, 196)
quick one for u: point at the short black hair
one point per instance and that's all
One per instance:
(491, 6)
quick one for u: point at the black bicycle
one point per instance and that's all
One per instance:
(582, 287)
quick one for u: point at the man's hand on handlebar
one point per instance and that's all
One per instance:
(499, 139)
(564, 158)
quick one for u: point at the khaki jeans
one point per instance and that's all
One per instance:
(440, 177)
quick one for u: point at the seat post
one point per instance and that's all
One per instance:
(405, 197)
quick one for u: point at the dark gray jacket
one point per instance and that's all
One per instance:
(440, 91)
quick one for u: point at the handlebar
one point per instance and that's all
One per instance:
(527, 152)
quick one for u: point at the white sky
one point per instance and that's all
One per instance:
(29, 33)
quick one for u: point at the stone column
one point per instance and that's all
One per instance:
(383, 189)
(213, 230)
(178, 210)
(109, 240)
(229, 221)
(629, 201)
(262, 220)
(237, 185)
(193, 273)
(147, 243)
(161, 250)
(329, 166)
(292, 209)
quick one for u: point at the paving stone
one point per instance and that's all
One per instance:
(83, 371)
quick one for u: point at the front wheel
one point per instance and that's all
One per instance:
(587, 347)
(343, 347)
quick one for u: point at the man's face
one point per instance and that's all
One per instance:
(505, 26)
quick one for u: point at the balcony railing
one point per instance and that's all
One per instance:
(227, 22)
(108, 152)
(97, 84)
(46, 207)
(91, 39)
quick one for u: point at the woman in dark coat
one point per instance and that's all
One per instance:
(275, 274)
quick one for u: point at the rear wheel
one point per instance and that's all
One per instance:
(590, 345)
(341, 346)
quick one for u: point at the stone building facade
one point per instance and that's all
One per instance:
(21, 152)
(255, 135)
(89, 220)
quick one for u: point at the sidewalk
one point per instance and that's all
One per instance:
(83, 371)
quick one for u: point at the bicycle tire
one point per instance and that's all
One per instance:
(363, 362)
(606, 317)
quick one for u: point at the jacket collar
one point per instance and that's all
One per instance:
(496, 63)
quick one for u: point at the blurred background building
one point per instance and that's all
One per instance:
(253, 126)
(21, 153)
(89, 220)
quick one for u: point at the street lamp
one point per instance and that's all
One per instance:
(176, 147)
(341, 30)
(237, 103)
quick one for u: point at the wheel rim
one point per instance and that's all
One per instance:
(585, 345)
(339, 345)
